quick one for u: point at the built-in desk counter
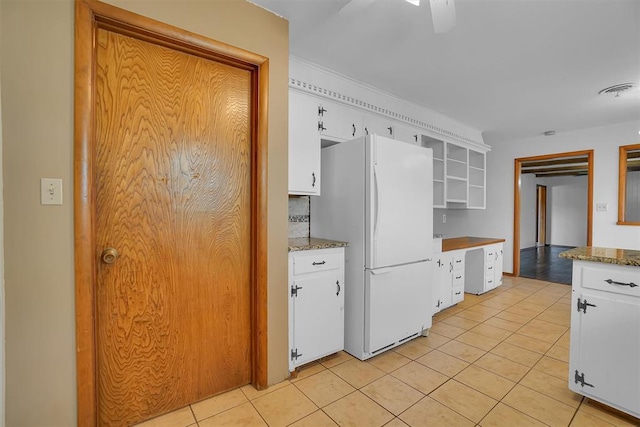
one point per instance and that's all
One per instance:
(467, 242)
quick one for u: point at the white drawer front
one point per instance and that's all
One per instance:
(457, 295)
(490, 254)
(318, 262)
(489, 270)
(458, 262)
(619, 280)
(458, 279)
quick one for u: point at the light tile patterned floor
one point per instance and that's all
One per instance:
(499, 359)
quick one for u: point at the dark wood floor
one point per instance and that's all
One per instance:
(543, 263)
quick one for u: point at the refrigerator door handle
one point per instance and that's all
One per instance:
(376, 206)
(379, 271)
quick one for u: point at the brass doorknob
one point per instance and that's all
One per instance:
(109, 255)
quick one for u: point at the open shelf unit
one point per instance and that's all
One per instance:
(477, 180)
(438, 169)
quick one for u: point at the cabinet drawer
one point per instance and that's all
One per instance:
(457, 294)
(319, 262)
(458, 262)
(618, 280)
(458, 279)
(491, 254)
(489, 269)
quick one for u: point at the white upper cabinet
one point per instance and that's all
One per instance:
(406, 133)
(374, 124)
(338, 122)
(304, 144)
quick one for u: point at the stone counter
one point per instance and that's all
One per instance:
(309, 243)
(604, 255)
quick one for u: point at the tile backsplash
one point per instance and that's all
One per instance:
(298, 216)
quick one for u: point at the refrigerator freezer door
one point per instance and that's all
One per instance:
(400, 206)
(398, 304)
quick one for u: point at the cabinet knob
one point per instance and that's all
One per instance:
(109, 255)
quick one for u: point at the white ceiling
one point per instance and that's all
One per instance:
(510, 68)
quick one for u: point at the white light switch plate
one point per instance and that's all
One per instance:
(602, 207)
(50, 191)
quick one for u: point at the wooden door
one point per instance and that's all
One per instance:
(173, 198)
(541, 215)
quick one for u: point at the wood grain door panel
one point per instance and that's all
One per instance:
(173, 196)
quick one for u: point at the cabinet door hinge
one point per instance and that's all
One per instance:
(295, 354)
(294, 290)
(579, 379)
(583, 305)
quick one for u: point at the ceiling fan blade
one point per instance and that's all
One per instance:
(354, 7)
(443, 13)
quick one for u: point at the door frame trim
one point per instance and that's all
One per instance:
(90, 15)
(516, 199)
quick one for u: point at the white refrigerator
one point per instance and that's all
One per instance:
(377, 194)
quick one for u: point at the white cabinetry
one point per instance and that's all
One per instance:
(316, 304)
(338, 122)
(483, 269)
(304, 144)
(605, 334)
(406, 133)
(378, 125)
(448, 279)
(438, 169)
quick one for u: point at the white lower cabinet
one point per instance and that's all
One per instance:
(316, 304)
(448, 279)
(605, 334)
(484, 269)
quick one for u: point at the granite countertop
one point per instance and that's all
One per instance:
(467, 242)
(605, 255)
(308, 243)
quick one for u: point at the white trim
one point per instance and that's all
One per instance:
(303, 85)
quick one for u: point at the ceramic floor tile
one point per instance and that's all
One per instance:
(539, 334)
(539, 406)
(462, 351)
(324, 388)
(525, 309)
(564, 340)
(357, 410)
(602, 413)
(251, 392)
(558, 352)
(430, 413)
(317, 419)
(307, 370)
(483, 309)
(460, 322)
(395, 423)
(389, 361)
(529, 343)
(357, 373)
(505, 416)
(336, 359)
(474, 315)
(443, 363)
(244, 415)
(420, 377)
(504, 367)
(583, 419)
(491, 331)
(513, 317)
(479, 341)
(553, 367)
(392, 394)
(486, 382)
(448, 331)
(434, 340)
(217, 404)
(413, 349)
(517, 354)
(446, 313)
(552, 387)
(182, 417)
(497, 303)
(503, 324)
(464, 400)
(272, 408)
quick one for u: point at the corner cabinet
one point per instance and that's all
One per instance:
(316, 304)
(604, 362)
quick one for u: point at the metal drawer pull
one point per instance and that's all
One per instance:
(338, 283)
(458, 277)
(612, 282)
(458, 293)
(319, 263)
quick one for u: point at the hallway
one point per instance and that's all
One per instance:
(543, 263)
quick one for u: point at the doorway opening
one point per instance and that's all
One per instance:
(553, 208)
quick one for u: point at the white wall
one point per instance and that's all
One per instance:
(528, 211)
(497, 219)
(566, 210)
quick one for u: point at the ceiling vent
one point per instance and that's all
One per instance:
(616, 89)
